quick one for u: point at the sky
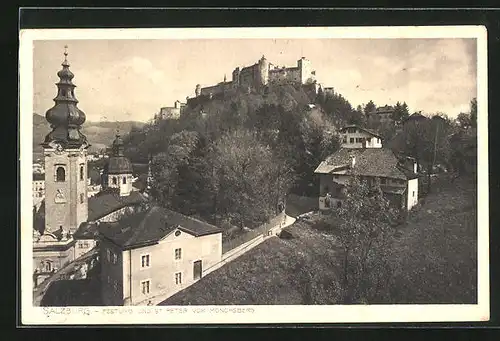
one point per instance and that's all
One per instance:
(120, 80)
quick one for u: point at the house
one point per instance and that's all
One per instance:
(154, 252)
(354, 136)
(362, 154)
(381, 115)
(38, 187)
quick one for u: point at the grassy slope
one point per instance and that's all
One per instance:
(437, 253)
(295, 271)
(435, 261)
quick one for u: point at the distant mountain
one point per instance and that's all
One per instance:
(99, 134)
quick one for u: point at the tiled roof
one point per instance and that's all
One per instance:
(379, 162)
(104, 204)
(87, 230)
(151, 225)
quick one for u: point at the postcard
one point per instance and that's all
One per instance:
(254, 175)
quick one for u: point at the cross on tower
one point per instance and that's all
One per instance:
(65, 52)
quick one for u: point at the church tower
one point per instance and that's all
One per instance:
(117, 171)
(65, 151)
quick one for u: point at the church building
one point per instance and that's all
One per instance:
(117, 171)
(65, 204)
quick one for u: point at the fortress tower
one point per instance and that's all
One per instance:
(305, 70)
(263, 70)
(65, 150)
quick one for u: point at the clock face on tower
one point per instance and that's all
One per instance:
(57, 147)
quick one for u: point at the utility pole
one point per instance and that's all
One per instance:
(434, 157)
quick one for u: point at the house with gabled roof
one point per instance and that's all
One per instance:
(154, 252)
(367, 159)
(354, 136)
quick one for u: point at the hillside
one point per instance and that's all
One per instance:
(99, 134)
(435, 261)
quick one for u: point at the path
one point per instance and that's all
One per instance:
(275, 231)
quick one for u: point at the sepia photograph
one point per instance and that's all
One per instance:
(259, 175)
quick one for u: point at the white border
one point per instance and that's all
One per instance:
(251, 314)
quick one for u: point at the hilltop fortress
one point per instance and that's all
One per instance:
(261, 74)
(256, 76)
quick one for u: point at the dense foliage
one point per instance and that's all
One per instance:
(234, 158)
(364, 229)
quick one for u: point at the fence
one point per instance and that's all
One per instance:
(262, 230)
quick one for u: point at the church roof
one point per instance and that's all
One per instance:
(101, 205)
(380, 162)
(117, 165)
(150, 226)
(65, 117)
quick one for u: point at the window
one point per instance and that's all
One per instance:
(351, 130)
(108, 253)
(339, 204)
(81, 173)
(47, 266)
(178, 253)
(351, 140)
(115, 285)
(344, 140)
(114, 180)
(178, 278)
(145, 261)
(82, 198)
(368, 139)
(124, 180)
(115, 258)
(60, 174)
(383, 181)
(414, 194)
(145, 287)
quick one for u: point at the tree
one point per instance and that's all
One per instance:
(166, 164)
(473, 112)
(464, 120)
(400, 112)
(369, 108)
(247, 179)
(363, 226)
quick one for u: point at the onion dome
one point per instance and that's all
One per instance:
(117, 163)
(65, 117)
